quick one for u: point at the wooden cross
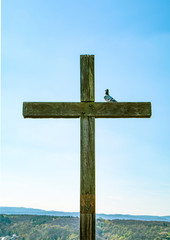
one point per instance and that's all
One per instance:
(87, 110)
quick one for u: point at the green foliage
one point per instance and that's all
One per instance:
(28, 227)
(39, 227)
(133, 230)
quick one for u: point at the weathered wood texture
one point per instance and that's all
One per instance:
(88, 224)
(87, 174)
(87, 179)
(87, 78)
(93, 109)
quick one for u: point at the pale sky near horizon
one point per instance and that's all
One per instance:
(41, 44)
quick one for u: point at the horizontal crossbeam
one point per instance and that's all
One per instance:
(93, 109)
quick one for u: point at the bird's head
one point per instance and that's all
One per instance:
(107, 91)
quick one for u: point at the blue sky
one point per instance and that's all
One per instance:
(41, 44)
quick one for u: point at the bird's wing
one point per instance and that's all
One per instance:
(108, 98)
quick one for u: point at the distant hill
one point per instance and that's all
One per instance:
(32, 211)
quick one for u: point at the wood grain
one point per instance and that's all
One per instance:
(93, 109)
(88, 223)
(87, 78)
(87, 173)
(87, 179)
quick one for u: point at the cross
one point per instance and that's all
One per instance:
(87, 110)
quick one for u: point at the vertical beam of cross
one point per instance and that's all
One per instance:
(87, 174)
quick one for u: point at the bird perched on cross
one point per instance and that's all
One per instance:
(107, 97)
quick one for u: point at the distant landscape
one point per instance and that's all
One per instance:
(34, 227)
(32, 211)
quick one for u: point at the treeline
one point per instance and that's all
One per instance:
(28, 227)
(133, 230)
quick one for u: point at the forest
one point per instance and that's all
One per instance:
(32, 227)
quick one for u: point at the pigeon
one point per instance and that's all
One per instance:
(107, 97)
